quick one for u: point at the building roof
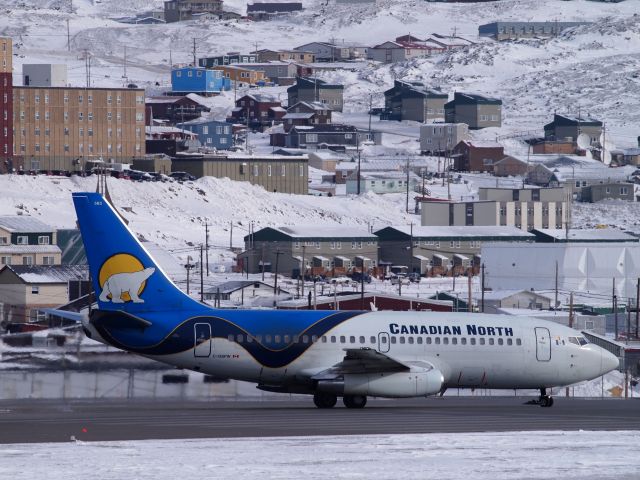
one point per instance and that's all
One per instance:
(272, 7)
(298, 116)
(312, 232)
(482, 143)
(20, 249)
(473, 98)
(312, 82)
(486, 233)
(48, 273)
(568, 120)
(234, 285)
(261, 98)
(325, 128)
(24, 224)
(502, 294)
(202, 120)
(311, 105)
(575, 235)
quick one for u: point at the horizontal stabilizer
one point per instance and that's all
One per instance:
(118, 319)
(74, 316)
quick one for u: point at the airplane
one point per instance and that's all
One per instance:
(327, 354)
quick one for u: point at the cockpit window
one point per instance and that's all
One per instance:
(582, 340)
(574, 340)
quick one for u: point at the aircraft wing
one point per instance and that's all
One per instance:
(362, 360)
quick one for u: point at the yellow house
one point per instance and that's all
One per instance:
(242, 76)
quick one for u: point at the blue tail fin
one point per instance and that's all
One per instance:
(125, 276)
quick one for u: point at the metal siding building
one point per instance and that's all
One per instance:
(211, 133)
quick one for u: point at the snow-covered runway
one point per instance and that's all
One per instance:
(549, 455)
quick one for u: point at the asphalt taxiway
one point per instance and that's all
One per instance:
(27, 421)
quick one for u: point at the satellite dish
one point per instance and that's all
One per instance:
(583, 141)
(607, 157)
(588, 155)
(608, 146)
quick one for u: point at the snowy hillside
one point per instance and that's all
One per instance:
(533, 77)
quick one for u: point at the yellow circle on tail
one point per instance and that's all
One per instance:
(121, 263)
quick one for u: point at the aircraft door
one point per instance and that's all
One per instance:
(543, 344)
(383, 342)
(202, 340)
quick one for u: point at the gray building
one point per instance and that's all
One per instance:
(44, 75)
(435, 251)
(477, 111)
(276, 173)
(525, 209)
(277, 72)
(442, 137)
(497, 299)
(315, 90)
(179, 10)
(513, 30)
(608, 191)
(315, 250)
(381, 182)
(272, 10)
(413, 101)
(326, 52)
(330, 135)
(569, 127)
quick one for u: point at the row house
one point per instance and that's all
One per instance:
(476, 156)
(306, 114)
(171, 110)
(413, 101)
(257, 111)
(280, 73)
(438, 138)
(515, 30)
(477, 111)
(314, 90)
(381, 182)
(198, 80)
(332, 136)
(179, 10)
(230, 58)
(25, 240)
(241, 75)
(309, 250)
(296, 56)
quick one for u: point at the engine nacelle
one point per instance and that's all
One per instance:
(417, 383)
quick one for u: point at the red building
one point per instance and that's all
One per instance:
(258, 111)
(171, 110)
(6, 105)
(306, 114)
(476, 156)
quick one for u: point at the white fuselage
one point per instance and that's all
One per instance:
(471, 350)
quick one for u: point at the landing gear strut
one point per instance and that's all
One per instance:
(545, 400)
(325, 400)
(354, 401)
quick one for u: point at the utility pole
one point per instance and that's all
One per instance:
(262, 262)
(370, 106)
(470, 309)
(231, 236)
(275, 283)
(628, 333)
(615, 308)
(188, 266)
(637, 306)
(206, 242)
(201, 276)
(358, 147)
(482, 287)
(68, 37)
(571, 310)
(407, 200)
(303, 268)
(170, 59)
(194, 52)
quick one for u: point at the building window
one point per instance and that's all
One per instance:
(268, 170)
(22, 240)
(256, 170)
(27, 260)
(47, 260)
(283, 171)
(5, 260)
(311, 138)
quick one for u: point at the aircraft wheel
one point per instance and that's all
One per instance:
(546, 401)
(354, 401)
(325, 400)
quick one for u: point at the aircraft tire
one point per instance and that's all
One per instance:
(325, 400)
(354, 401)
(546, 401)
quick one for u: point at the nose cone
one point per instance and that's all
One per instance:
(609, 361)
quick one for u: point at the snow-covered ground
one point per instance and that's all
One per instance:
(581, 455)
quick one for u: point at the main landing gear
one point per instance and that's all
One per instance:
(545, 400)
(328, 400)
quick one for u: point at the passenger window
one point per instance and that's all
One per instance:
(259, 338)
(230, 338)
(373, 340)
(352, 339)
(491, 341)
(249, 339)
(463, 341)
(509, 341)
(305, 339)
(277, 339)
(482, 341)
(383, 339)
(428, 340)
(239, 338)
(473, 341)
(296, 339)
(324, 339)
(333, 339)
(557, 342)
(343, 339)
(314, 338)
(419, 340)
(402, 340)
(454, 341)
(500, 341)
(437, 340)
(361, 339)
(518, 341)
(287, 338)
(393, 340)
(410, 340)
(267, 338)
(445, 340)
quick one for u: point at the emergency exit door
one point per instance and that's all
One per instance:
(202, 340)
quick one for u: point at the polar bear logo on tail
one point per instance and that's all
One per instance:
(127, 282)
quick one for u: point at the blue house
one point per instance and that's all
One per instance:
(198, 80)
(211, 133)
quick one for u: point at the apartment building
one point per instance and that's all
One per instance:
(6, 97)
(62, 128)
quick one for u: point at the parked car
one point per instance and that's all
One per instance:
(396, 279)
(341, 280)
(414, 277)
(182, 176)
(358, 277)
(160, 177)
(139, 176)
